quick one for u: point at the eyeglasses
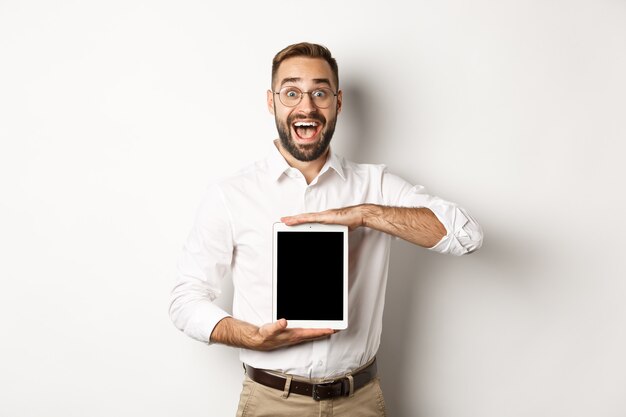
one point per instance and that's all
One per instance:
(292, 96)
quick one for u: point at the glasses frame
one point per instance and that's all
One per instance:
(302, 93)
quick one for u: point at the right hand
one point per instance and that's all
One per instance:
(276, 335)
(234, 332)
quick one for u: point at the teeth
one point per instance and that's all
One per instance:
(305, 124)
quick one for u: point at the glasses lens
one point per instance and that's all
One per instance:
(322, 97)
(291, 96)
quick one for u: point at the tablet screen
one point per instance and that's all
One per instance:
(310, 275)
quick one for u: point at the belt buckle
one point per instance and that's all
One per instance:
(316, 395)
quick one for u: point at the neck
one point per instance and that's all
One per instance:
(309, 169)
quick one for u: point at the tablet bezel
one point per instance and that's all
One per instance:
(311, 227)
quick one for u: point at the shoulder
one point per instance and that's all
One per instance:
(370, 171)
(361, 170)
(250, 175)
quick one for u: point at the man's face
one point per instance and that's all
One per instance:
(305, 130)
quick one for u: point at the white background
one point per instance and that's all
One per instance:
(115, 115)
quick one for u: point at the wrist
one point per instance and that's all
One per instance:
(232, 332)
(250, 336)
(369, 212)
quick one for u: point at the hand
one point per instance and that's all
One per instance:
(348, 216)
(275, 335)
(233, 332)
(417, 225)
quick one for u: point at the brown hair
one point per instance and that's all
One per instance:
(310, 50)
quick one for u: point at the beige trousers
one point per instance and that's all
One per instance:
(260, 401)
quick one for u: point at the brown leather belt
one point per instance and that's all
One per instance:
(322, 391)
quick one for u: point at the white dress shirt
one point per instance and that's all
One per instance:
(232, 237)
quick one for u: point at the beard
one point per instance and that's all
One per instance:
(306, 153)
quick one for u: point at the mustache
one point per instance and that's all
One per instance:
(313, 116)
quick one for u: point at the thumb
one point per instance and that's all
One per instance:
(281, 324)
(273, 328)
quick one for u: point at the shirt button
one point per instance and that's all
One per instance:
(320, 363)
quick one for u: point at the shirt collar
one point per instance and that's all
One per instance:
(334, 162)
(278, 165)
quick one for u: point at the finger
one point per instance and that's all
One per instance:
(270, 329)
(290, 337)
(313, 339)
(293, 220)
(309, 334)
(303, 218)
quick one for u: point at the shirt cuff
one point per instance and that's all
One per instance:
(463, 234)
(201, 321)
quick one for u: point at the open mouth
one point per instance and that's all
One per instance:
(306, 130)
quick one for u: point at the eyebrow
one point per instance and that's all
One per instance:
(298, 79)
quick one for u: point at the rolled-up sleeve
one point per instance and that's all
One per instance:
(463, 233)
(205, 261)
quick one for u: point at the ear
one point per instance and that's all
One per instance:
(339, 101)
(270, 101)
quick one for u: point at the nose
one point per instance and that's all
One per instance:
(306, 104)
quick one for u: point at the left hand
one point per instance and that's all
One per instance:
(348, 216)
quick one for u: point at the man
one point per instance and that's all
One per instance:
(292, 371)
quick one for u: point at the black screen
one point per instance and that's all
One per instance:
(310, 275)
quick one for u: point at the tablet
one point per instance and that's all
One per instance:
(310, 275)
